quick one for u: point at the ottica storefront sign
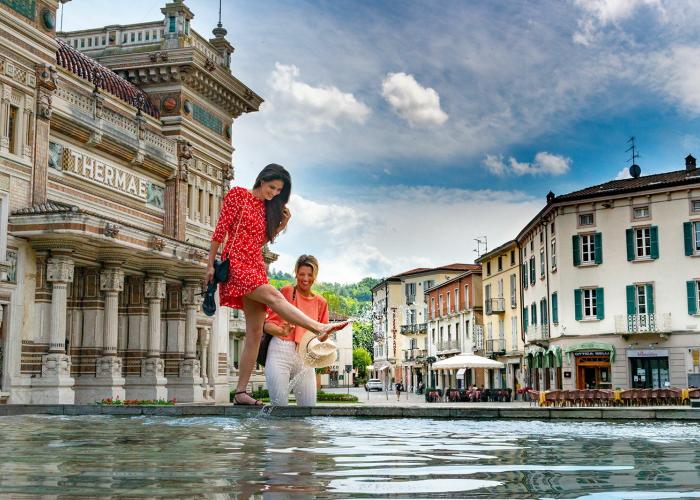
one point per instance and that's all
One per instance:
(591, 353)
(654, 353)
(95, 170)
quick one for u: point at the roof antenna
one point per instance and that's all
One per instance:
(219, 25)
(635, 170)
(479, 242)
(63, 6)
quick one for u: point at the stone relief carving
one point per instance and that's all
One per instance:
(111, 230)
(56, 365)
(190, 368)
(109, 366)
(112, 280)
(153, 367)
(44, 104)
(184, 154)
(191, 295)
(157, 243)
(154, 288)
(59, 269)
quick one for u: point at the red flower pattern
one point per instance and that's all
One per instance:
(243, 247)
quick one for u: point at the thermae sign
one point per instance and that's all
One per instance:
(87, 167)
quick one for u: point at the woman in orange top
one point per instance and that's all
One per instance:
(283, 364)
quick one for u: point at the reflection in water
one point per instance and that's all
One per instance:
(266, 457)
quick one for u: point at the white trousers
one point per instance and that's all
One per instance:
(283, 365)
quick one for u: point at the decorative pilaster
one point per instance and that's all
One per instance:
(155, 293)
(108, 381)
(204, 349)
(56, 385)
(191, 299)
(111, 284)
(187, 387)
(59, 272)
(47, 81)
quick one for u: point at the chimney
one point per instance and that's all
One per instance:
(690, 163)
(550, 197)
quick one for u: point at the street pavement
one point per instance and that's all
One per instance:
(388, 398)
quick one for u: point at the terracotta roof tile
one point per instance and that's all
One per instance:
(78, 63)
(653, 181)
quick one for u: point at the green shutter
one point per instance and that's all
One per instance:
(525, 322)
(600, 303)
(631, 302)
(533, 313)
(545, 310)
(577, 304)
(598, 248)
(525, 277)
(630, 244)
(650, 298)
(555, 308)
(692, 297)
(576, 241)
(654, 232)
(533, 270)
(688, 237)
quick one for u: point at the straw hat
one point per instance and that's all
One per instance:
(315, 353)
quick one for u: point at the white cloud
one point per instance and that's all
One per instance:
(601, 13)
(313, 107)
(387, 230)
(673, 72)
(418, 105)
(623, 174)
(544, 163)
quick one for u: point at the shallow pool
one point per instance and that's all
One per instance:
(345, 457)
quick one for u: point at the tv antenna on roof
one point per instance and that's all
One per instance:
(635, 170)
(479, 242)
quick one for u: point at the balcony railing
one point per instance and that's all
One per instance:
(642, 323)
(415, 354)
(537, 332)
(414, 329)
(497, 305)
(448, 345)
(495, 346)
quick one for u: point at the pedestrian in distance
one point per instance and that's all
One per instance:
(248, 220)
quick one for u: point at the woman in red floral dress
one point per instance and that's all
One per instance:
(248, 220)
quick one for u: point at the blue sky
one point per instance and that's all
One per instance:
(413, 127)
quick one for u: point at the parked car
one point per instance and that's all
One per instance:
(374, 384)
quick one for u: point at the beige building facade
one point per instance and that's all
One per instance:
(503, 338)
(114, 158)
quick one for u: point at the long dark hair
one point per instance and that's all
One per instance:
(273, 207)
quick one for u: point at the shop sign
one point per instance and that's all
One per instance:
(97, 171)
(591, 353)
(654, 353)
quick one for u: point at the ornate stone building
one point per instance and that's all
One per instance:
(115, 153)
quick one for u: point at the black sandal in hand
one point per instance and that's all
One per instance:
(254, 403)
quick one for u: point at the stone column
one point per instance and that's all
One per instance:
(188, 387)
(109, 382)
(204, 347)
(56, 384)
(152, 382)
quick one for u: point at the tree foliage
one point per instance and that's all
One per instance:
(362, 335)
(361, 359)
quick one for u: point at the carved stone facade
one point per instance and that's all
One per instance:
(112, 183)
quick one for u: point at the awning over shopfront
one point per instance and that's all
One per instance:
(467, 360)
(461, 372)
(592, 346)
(553, 357)
(379, 366)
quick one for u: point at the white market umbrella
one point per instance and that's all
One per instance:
(467, 360)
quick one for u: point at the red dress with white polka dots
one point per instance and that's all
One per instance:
(244, 247)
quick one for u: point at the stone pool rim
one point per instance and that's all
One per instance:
(471, 413)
